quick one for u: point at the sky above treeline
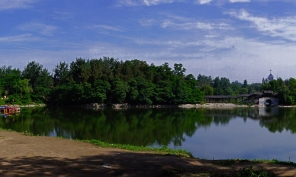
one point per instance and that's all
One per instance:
(237, 39)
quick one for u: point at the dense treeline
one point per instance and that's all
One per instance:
(102, 81)
(223, 86)
(109, 81)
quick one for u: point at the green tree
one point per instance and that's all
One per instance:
(204, 80)
(164, 92)
(180, 91)
(141, 91)
(245, 85)
(222, 86)
(207, 90)
(61, 73)
(40, 80)
(145, 89)
(243, 91)
(100, 91)
(14, 86)
(119, 90)
(32, 72)
(80, 70)
(179, 70)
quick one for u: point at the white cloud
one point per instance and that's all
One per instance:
(183, 23)
(194, 25)
(17, 38)
(15, 4)
(211, 36)
(155, 2)
(105, 27)
(43, 29)
(204, 1)
(146, 2)
(284, 27)
(129, 2)
(62, 15)
(234, 1)
(186, 26)
(249, 59)
(236, 58)
(233, 57)
(169, 43)
(147, 22)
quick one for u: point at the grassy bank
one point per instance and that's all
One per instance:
(162, 150)
(229, 162)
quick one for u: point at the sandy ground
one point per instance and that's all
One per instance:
(22, 155)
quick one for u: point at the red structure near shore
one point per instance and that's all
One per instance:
(9, 110)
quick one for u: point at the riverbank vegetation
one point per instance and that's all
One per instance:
(162, 150)
(108, 81)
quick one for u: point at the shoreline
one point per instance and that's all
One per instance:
(228, 105)
(188, 106)
(185, 106)
(214, 105)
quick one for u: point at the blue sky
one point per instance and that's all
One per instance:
(237, 39)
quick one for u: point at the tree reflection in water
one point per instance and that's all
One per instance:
(140, 126)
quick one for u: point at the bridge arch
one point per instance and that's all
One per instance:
(268, 103)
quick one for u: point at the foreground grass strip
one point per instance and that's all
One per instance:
(163, 150)
(244, 172)
(274, 161)
(230, 162)
(250, 172)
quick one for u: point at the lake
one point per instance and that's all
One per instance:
(252, 133)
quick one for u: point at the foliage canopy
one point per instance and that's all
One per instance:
(107, 80)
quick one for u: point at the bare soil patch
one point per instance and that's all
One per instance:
(22, 155)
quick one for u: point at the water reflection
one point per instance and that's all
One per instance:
(200, 131)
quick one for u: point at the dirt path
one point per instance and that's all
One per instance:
(22, 155)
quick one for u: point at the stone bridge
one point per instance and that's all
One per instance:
(265, 98)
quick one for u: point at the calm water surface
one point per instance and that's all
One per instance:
(263, 133)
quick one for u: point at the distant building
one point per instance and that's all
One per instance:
(269, 78)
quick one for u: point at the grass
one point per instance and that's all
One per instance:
(244, 172)
(162, 150)
(250, 172)
(274, 161)
(229, 162)
(28, 133)
(5, 129)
